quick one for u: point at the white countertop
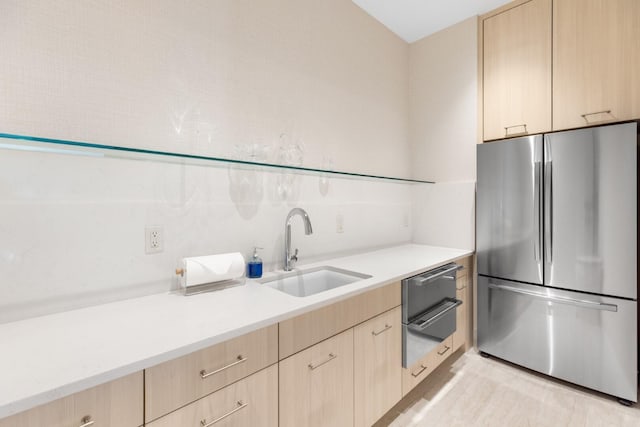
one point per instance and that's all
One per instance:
(49, 357)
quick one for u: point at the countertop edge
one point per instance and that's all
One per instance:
(74, 386)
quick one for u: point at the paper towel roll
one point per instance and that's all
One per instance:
(212, 268)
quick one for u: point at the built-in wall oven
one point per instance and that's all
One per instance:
(428, 311)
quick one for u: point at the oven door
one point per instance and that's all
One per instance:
(428, 311)
(426, 332)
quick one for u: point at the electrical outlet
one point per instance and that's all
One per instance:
(153, 239)
(339, 223)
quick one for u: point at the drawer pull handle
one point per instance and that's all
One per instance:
(523, 126)
(386, 328)
(585, 116)
(446, 348)
(86, 421)
(204, 374)
(417, 374)
(329, 359)
(204, 423)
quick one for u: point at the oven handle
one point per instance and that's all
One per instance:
(433, 319)
(422, 280)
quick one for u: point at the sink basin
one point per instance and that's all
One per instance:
(310, 282)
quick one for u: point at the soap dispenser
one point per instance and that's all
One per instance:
(254, 266)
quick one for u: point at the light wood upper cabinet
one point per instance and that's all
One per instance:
(115, 404)
(316, 385)
(517, 71)
(377, 366)
(596, 62)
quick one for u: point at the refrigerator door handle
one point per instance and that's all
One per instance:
(548, 201)
(560, 300)
(537, 243)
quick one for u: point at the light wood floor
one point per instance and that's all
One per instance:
(469, 390)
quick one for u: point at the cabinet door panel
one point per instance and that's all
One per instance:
(596, 62)
(517, 71)
(316, 385)
(377, 366)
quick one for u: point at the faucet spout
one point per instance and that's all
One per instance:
(290, 260)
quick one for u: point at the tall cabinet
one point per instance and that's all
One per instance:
(596, 62)
(559, 64)
(517, 70)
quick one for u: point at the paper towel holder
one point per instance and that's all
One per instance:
(208, 287)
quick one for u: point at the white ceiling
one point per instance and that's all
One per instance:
(415, 19)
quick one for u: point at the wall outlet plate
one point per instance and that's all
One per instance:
(153, 239)
(339, 223)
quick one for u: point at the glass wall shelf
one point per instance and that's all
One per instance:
(48, 145)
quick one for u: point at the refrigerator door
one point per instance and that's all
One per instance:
(585, 339)
(508, 209)
(590, 210)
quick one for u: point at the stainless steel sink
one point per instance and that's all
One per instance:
(310, 282)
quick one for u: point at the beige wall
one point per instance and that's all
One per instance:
(209, 77)
(224, 78)
(443, 82)
(443, 87)
(212, 77)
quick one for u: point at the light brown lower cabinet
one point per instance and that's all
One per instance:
(180, 381)
(316, 385)
(414, 375)
(115, 404)
(462, 336)
(250, 402)
(349, 379)
(305, 330)
(458, 337)
(377, 366)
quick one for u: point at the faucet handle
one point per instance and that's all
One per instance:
(294, 257)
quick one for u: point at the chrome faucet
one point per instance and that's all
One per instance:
(290, 260)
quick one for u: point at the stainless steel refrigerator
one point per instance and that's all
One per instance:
(557, 255)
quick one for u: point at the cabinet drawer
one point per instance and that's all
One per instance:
(114, 404)
(251, 402)
(411, 377)
(444, 350)
(173, 384)
(307, 329)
